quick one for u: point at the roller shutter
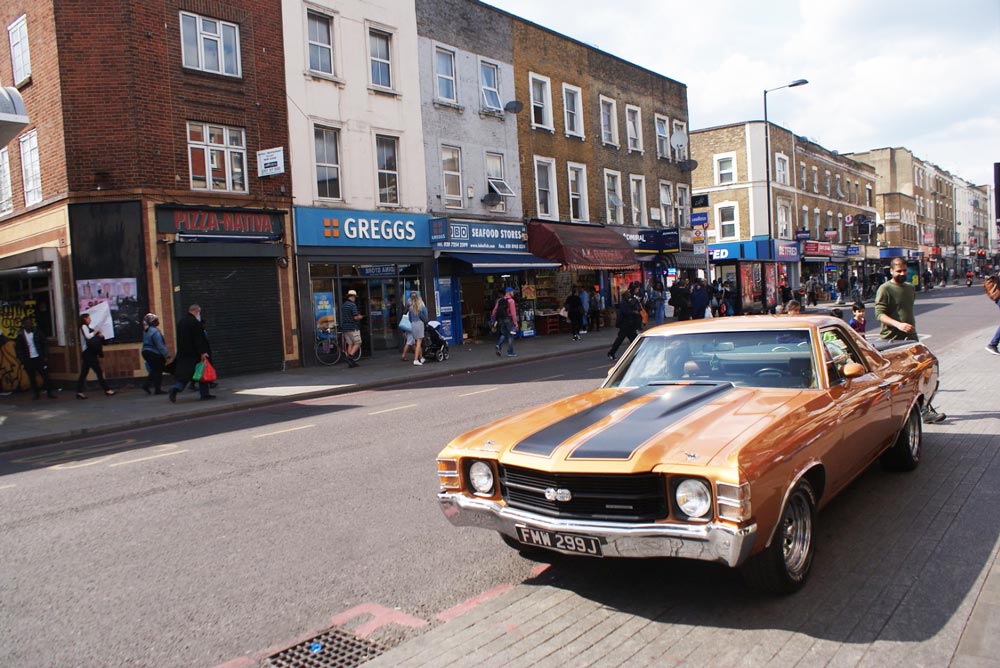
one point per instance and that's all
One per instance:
(241, 309)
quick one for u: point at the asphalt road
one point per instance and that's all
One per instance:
(193, 544)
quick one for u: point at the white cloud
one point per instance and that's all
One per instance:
(911, 73)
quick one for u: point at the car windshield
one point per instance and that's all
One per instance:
(766, 358)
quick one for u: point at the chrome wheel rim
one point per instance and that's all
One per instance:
(796, 534)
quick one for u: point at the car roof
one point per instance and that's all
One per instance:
(747, 323)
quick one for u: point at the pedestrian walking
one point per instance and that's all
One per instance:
(656, 296)
(504, 314)
(596, 307)
(842, 285)
(680, 299)
(350, 318)
(894, 308)
(812, 288)
(585, 300)
(727, 302)
(92, 343)
(699, 301)
(629, 319)
(992, 287)
(154, 351)
(32, 353)
(574, 311)
(417, 314)
(192, 348)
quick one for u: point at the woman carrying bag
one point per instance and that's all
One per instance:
(417, 316)
(154, 351)
(92, 343)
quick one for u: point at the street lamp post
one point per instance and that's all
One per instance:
(767, 167)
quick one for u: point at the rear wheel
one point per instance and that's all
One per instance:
(440, 354)
(904, 455)
(782, 568)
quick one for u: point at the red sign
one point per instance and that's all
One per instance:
(815, 248)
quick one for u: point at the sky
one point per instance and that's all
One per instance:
(922, 74)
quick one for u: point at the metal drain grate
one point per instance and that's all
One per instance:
(332, 649)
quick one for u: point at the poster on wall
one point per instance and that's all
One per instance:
(11, 315)
(326, 315)
(771, 285)
(120, 296)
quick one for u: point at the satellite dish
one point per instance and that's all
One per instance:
(491, 199)
(513, 107)
(678, 139)
(688, 165)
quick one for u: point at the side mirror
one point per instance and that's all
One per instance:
(853, 370)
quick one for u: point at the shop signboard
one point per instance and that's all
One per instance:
(815, 248)
(478, 235)
(699, 219)
(352, 228)
(801, 235)
(212, 222)
(786, 251)
(853, 251)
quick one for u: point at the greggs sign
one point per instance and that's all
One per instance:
(220, 222)
(342, 227)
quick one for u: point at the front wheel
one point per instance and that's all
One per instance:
(327, 352)
(904, 455)
(782, 568)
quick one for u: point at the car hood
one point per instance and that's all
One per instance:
(626, 430)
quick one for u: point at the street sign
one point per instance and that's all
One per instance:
(271, 161)
(801, 235)
(699, 219)
(848, 220)
(698, 249)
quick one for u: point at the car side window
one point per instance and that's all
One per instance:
(837, 352)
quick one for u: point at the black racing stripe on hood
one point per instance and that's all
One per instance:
(621, 440)
(545, 441)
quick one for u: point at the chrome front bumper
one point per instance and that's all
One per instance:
(707, 542)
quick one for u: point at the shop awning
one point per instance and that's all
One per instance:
(686, 260)
(491, 263)
(581, 246)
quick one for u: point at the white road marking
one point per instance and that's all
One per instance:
(389, 410)
(469, 394)
(558, 375)
(284, 431)
(143, 459)
(602, 366)
(7, 486)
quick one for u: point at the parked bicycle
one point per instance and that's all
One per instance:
(330, 346)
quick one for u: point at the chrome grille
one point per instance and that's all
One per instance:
(634, 497)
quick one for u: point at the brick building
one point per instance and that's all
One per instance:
(136, 183)
(815, 196)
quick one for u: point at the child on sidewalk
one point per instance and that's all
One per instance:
(857, 323)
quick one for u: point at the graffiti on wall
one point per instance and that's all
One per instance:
(12, 376)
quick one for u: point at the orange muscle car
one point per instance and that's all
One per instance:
(714, 439)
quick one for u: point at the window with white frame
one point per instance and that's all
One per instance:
(320, 27)
(210, 45)
(609, 121)
(545, 188)
(573, 110)
(840, 228)
(387, 169)
(662, 136)
(451, 174)
(857, 192)
(868, 194)
(804, 219)
(681, 206)
(496, 180)
(20, 55)
(541, 101)
(613, 196)
(815, 179)
(781, 169)
(579, 207)
(802, 175)
(489, 80)
(380, 57)
(444, 75)
(784, 219)
(816, 224)
(31, 169)
(828, 184)
(633, 127)
(218, 156)
(829, 223)
(680, 129)
(327, 147)
(637, 195)
(727, 224)
(6, 191)
(839, 189)
(725, 168)
(666, 192)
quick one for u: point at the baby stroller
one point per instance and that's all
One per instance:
(435, 347)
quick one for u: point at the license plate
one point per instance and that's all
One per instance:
(564, 542)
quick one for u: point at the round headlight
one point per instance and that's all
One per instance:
(693, 498)
(481, 477)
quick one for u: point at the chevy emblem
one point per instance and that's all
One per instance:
(553, 494)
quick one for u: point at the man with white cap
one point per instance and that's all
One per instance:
(349, 318)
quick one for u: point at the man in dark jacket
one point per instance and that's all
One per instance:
(680, 297)
(629, 320)
(192, 347)
(30, 348)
